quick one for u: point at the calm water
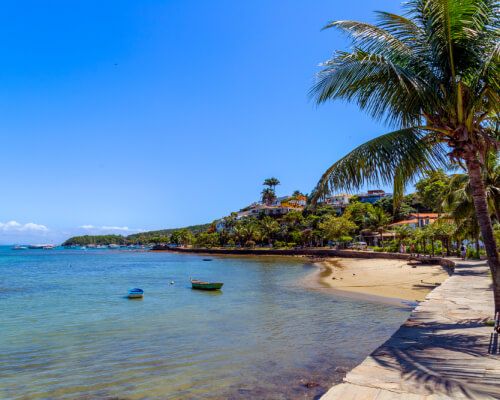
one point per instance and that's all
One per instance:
(67, 332)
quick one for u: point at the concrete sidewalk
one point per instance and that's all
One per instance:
(443, 351)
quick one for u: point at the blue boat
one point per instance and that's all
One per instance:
(135, 293)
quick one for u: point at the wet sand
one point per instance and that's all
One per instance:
(377, 279)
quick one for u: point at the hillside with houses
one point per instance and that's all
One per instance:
(438, 218)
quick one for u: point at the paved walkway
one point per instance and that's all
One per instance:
(443, 351)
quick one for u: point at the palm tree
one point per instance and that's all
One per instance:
(269, 227)
(378, 221)
(403, 233)
(433, 74)
(271, 182)
(268, 196)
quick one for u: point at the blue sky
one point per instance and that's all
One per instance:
(152, 114)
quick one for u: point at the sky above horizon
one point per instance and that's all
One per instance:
(121, 116)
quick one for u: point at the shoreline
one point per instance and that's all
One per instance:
(381, 280)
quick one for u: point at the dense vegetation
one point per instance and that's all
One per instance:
(99, 240)
(160, 236)
(436, 192)
(321, 225)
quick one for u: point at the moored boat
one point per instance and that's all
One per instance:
(201, 285)
(18, 247)
(135, 293)
(42, 246)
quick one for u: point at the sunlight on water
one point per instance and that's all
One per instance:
(68, 332)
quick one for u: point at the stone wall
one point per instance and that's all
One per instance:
(289, 252)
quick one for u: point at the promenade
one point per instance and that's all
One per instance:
(443, 351)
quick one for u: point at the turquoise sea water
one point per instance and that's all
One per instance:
(68, 332)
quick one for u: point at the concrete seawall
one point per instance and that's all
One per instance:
(290, 252)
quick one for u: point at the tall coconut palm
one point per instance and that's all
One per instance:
(432, 74)
(271, 182)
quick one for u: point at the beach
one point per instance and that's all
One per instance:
(382, 279)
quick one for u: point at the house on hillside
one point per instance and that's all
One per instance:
(338, 201)
(296, 202)
(418, 220)
(372, 196)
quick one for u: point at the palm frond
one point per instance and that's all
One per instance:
(402, 154)
(382, 88)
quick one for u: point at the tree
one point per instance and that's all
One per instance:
(185, 237)
(403, 233)
(359, 213)
(205, 239)
(269, 228)
(432, 74)
(268, 196)
(402, 211)
(378, 220)
(337, 229)
(431, 189)
(271, 183)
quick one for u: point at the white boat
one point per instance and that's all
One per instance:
(41, 246)
(113, 246)
(17, 247)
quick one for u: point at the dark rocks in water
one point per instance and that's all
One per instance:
(311, 384)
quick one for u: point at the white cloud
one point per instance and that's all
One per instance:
(87, 227)
(116, 228)
(16, 226)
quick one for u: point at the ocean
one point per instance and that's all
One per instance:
(69, 332)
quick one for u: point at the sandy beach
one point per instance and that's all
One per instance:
(384, 278)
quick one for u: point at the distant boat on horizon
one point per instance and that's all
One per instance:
(41, 246)
(18, 247)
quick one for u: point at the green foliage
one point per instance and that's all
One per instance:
(204, 239)
(145, 237)
(268, 196)
(432, 188)
(497, 234)
(98, 240)
(337, 229)
(405, 207)
(359, 213)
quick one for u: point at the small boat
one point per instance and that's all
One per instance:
(200, 285)
(113, 246)
(207, 259)
(135, 293)
(17, 247)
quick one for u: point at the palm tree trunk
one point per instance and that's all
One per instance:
(483, 218)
